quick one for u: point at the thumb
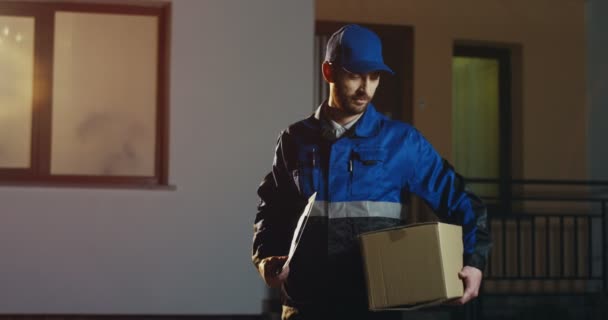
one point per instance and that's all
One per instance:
(462, 275)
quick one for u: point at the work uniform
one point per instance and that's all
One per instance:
(363, 180)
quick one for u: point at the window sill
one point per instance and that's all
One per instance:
(75, 185)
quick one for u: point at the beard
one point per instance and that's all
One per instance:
(353, 104)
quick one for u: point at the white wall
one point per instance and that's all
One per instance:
(241, 71)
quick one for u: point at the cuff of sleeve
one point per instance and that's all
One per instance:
(475, 260)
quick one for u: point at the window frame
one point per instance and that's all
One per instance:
(39, 173)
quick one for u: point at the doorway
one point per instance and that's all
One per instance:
(481, 118)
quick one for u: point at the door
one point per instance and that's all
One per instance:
(481, 118)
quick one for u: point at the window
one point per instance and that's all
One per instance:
(84, 93)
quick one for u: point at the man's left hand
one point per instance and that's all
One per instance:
(471, 277)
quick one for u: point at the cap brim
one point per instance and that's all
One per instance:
(367, 67)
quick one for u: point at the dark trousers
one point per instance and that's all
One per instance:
(336, 312)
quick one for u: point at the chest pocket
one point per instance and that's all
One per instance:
(306, 175)
(368, 173)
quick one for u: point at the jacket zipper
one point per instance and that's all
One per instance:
(315, 173)
(350, 171)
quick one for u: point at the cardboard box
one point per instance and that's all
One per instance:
(412, 266)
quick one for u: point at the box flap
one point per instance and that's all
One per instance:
(400, 227)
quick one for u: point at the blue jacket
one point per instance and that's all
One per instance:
(363, 181)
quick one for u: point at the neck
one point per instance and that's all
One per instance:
(338, 115)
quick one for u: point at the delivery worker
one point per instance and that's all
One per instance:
(363, 167)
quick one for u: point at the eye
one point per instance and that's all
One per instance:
(374, 76)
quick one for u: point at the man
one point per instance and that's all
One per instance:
(363, 167)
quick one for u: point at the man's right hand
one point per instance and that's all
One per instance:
(270, 269)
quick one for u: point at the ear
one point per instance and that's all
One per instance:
(328, 72)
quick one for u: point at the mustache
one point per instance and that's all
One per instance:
(362, 96)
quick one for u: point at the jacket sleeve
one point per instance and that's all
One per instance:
(274, 222)
(435, 181)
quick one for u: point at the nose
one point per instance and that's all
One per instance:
(364, 83)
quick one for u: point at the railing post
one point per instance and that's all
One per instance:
(604, 248)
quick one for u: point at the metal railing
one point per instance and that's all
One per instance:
(548, 231)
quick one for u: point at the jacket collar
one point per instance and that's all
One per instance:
(368, 125)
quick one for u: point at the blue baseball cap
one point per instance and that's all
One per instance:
(356, 49)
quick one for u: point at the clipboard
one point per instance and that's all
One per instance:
(297, 234)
